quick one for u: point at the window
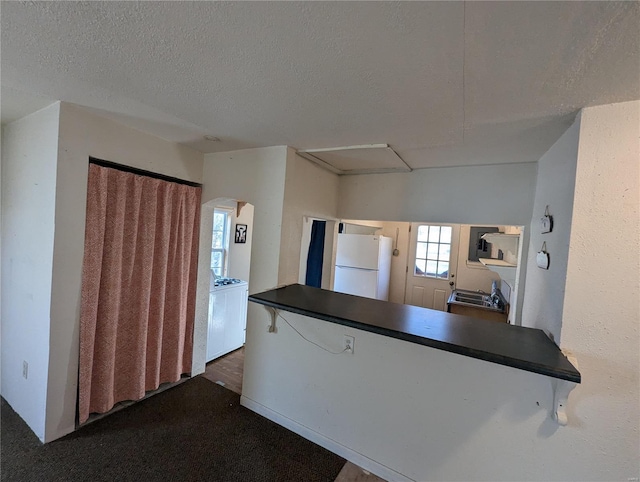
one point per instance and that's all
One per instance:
(220, 242)
(433, 251)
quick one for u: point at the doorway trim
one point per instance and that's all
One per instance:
(329, 258)
(201, 322)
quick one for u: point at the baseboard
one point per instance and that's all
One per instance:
(329, 444)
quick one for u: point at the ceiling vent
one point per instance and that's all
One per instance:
(365, 159)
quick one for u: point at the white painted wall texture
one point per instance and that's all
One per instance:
(474, 194)
(84, 134)
(29, 157)
(601, 313)
(542, 307)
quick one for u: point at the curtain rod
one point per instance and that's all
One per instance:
(141, 172)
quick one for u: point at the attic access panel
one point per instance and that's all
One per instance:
(365, 159)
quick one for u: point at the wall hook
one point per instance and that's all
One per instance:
(542, 258)
(546, 221)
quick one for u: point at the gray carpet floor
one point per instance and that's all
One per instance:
(196, 431)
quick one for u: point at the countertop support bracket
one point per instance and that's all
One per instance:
(274, 314)
(561, 391)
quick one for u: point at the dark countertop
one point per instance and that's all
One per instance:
(514, 346)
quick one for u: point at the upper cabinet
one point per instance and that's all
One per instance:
(508, 244)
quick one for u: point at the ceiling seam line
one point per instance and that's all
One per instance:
(464, 61)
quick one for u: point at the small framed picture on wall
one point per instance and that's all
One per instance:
(241, 233)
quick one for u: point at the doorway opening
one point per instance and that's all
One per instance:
(231, 243)
(431, 260)
(317, 252)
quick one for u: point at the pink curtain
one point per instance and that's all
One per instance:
(138, 286)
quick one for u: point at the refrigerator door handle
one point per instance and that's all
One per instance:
(358, 269)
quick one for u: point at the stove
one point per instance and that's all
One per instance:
(226, 281)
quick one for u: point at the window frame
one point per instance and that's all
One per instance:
(437, 259)
(224, 269)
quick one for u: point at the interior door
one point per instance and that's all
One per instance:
(433, 258)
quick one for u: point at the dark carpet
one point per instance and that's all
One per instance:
(195, 431)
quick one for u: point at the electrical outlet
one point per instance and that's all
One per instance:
(348, 343)
(25, 369)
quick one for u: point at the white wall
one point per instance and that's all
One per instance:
(479, 194)
(542, 307)
(29, 156)
(309, 191)
(83, 134)
(601, 313)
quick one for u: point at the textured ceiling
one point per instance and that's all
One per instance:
(443, 83)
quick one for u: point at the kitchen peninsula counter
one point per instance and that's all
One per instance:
(523, 348)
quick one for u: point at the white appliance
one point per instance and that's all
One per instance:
(227, 316)
(363, 265)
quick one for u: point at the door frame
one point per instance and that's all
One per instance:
(329, 258)
(446, 286)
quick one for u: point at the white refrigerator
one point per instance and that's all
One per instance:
(363, 265)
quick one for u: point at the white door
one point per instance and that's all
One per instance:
(433, 257)
(355, 281)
